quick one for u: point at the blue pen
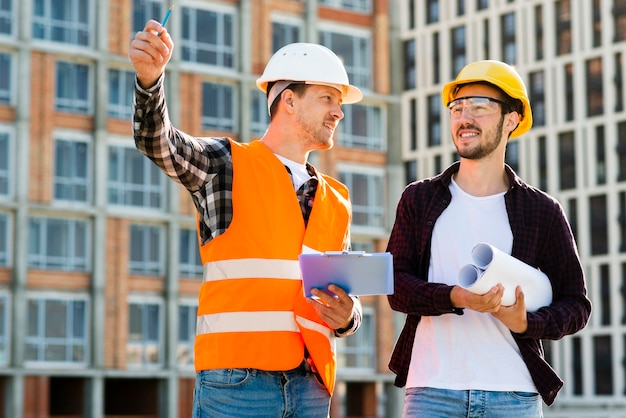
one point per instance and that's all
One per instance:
(167, 16)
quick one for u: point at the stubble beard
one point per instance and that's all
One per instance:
(494, 138)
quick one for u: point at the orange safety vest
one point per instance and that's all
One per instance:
(252, 312)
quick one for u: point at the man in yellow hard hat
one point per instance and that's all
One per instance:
(463, 354)
(262, 349)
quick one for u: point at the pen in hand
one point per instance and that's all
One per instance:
(167, 16)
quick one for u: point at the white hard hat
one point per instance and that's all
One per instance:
(311, 64)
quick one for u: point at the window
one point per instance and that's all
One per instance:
(436, 64)
(71, 170)
(619, 83)
(458, 50)
(146, 250)
(538, 98)
(121, 91)
(619, 20)
(190, 263)
(621, 219)
(6, 17)
(260, 113)
(72, 88)
(539, 33)
(366, 193)
(358, 350)
(482, 4)
(508, 38)
(598, 225)
(5, 81)
(410, 78)
(58, 244)
(621, 151)
(4, 330)
(187, 315)
(410, 14)
(434, 120)
(567, 161)
(605, 295)
(4, 239)
(460, 7)
(208, 37)
(600, 155)
(145, 334)
(56, 330)
(603, 365)
(144, 10)
(432, 11)
(413, 124)
(362, 127)
(595, 87)
(363, 6)
(6, 163)
(355, 52)
(218, 107)
(284, 33)
(134, 180)
(569, 92)
(596, 23)
(62, 21)
(563, 27)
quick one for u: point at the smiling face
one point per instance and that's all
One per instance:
(317, 114)
(477, 137)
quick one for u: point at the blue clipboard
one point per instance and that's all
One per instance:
(357, 272)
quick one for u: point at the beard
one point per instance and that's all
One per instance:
(317, 137)
(492, 141)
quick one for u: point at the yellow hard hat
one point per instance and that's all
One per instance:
(500, 75)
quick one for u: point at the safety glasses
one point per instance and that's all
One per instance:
(476, 106)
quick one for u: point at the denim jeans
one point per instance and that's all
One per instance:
(445, 403)
(228, 393)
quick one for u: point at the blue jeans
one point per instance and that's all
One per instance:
(228, 393)
(445, 403)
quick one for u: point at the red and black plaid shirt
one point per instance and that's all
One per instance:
(542, 238)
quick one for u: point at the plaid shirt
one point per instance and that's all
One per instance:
(202, 165)
(541, 237)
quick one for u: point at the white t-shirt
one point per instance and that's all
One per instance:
(473, 350)
(299, 173)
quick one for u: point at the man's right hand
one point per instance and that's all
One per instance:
(149, 53)
(489, 302)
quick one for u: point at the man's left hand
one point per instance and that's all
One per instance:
(514, 316)
(333, 306)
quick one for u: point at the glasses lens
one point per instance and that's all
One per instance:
(476, 106)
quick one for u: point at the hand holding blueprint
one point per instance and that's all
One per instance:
(357, 272)
(492, 266)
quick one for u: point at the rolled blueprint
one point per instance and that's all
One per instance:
(492, 266)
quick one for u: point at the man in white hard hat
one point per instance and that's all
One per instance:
(262, 348)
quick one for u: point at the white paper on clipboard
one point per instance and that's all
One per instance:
(357, 272)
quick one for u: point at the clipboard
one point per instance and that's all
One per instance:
(357, 272)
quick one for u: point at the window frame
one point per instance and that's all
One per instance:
(80, 33)
(121, 190)
(74, 180)
(42, 260)
(42, 342)
(74, 103)
(150, 264)
(145, 343)
(375, 204)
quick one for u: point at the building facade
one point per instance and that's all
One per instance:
(571, 55)
(99, 267)
(98, 255)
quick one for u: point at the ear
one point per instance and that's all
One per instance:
(287, 98)
(512, 120)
